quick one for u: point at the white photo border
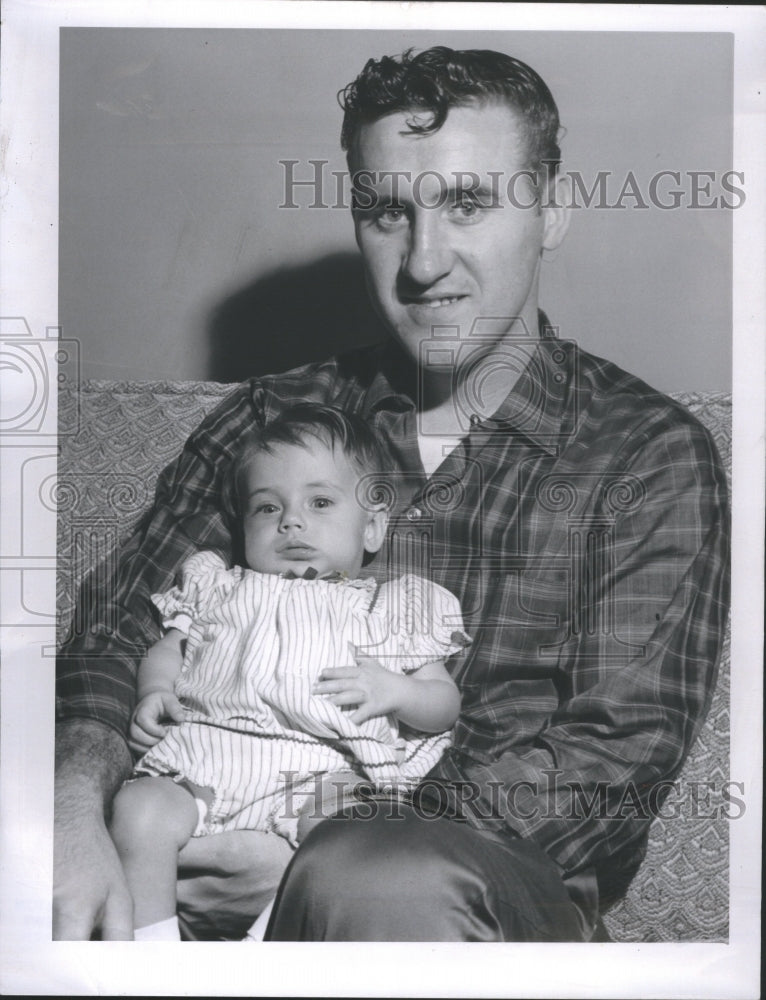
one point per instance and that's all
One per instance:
(31, 962)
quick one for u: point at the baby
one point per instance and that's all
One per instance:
(286, 682)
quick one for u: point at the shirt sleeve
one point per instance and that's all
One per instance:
(430, 622)
(179, 606)
(96, 666)
(585, 788)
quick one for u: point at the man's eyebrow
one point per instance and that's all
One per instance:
(485, 193)
(382, 194)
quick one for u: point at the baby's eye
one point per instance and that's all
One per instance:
(266, 508)
(322, 503)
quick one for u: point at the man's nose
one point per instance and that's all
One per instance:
(429, 255)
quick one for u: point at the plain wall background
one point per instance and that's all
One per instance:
(176, 262)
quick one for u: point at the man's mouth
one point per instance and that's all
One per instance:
(447, 300)
(434, 301)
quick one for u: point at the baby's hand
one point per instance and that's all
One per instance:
(146, 727)
(367, 685)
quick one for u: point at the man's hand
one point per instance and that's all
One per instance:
(89, 889)
(367, 685)
(90, 895)
(146, 726)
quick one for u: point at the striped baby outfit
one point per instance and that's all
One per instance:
(256, 643)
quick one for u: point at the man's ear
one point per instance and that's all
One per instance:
(375, 530)
(556, 215)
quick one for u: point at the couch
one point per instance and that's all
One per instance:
(115, 437)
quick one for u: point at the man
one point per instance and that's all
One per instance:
(579, 516)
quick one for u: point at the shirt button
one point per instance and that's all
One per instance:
(414, 514)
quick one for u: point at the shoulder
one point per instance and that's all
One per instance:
(612, 410)
(637, 449)
(430, 613)
(202, 564)
(201, 577)
(417, 589)
(342, 380)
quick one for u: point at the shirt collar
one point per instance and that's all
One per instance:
(537, 407)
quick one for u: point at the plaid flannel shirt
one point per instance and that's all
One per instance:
(584, 530)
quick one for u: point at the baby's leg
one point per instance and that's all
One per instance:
(152, 819)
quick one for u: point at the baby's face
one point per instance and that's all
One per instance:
(301, 510)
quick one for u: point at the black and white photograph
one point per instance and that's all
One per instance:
(383, 499)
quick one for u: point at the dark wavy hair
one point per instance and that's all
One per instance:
(441, 78)
(298, 425)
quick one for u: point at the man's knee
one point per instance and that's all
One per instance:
(376, 879)
(419, 879)
(388, 853)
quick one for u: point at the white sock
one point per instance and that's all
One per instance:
(163, 930)
(258, 929)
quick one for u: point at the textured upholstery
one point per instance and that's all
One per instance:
(116, 437)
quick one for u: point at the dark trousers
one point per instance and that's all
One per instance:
(406, 877)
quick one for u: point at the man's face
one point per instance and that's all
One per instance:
(301, 511)
(476, 255)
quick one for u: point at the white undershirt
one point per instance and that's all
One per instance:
(434, 449)
(491, 391)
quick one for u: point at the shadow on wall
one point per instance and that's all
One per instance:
(290, 317)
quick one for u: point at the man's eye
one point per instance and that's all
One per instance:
(466, 208)
(390, 215)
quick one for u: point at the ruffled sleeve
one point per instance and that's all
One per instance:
(430, 622)
(199, 578)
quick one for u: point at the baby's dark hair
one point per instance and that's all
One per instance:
(298, 425)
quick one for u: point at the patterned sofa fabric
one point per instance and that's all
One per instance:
(115, 437)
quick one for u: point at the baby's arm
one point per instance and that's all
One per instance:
(156, 691)
(427, 700)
